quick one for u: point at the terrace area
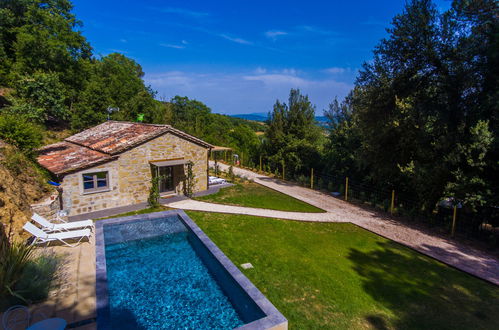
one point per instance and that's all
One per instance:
(325, 270)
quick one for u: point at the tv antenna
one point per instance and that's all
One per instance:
(110, 110)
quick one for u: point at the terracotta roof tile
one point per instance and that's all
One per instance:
(65, 157)
(113, 137)
(101, 143)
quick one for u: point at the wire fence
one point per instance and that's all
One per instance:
(482, 225)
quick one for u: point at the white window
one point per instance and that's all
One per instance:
(94, 182)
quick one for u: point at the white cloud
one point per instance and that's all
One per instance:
(172, 46)
(337, 70)
(273, 34)
(184, 42)
(123, 41)
(236, 40)
(246, 92)
(291, 71)
(277, 79)
(314, 29)
(260, 70)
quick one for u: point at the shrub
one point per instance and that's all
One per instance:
(20, 133)
(15, 161)
(14, 259)
(153, 199)
(38, 277)
(190, 180)
(320, 184)
(303, 180)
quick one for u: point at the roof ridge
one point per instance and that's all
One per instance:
(137, 123)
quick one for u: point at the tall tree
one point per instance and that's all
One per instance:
(38, 35)
(426, 96)
(114, 81)
(292, 136)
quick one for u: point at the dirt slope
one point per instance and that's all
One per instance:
(21, 184)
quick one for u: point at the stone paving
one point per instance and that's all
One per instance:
(453, 253)
(73, 298)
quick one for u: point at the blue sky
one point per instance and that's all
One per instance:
(240, 56)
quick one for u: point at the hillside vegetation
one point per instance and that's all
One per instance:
(50, 76)
(422, 118)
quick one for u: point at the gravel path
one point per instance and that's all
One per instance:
(452, 253)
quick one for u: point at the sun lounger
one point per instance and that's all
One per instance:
(215, 180)
(51, 227)
(43, 237)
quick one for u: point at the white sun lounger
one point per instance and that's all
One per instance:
(50, 227)
(215, 180)
(43, 237)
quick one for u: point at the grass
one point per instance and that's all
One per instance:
(143, 211)
(254, 195)
(337, 275)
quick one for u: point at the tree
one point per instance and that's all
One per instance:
(41, 36)
(39, 98)
(21, 133)
(421, 105)
(191, 116)
(343, 140)
(292, 136)
(114, 81)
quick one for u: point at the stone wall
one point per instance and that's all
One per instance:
(49, 207)
(130, 175)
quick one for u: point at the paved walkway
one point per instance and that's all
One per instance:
(450, 252)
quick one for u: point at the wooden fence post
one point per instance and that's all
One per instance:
(283, 170)
(312, 179)
(260, 163)
(392, 206)
(453, 230)
(346, 189)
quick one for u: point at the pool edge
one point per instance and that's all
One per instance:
(273, 319)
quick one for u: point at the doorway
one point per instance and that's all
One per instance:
(166, 179)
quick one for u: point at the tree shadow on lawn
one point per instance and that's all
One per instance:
(423, 293)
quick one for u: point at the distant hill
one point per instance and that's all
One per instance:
(262, 116)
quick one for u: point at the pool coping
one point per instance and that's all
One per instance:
(273, 319)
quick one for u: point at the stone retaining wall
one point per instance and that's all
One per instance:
(49, 207)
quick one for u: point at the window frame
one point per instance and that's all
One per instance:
(95, 181)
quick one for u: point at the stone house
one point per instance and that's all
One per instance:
(112, 165)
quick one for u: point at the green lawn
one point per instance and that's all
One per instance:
(336, 275)
(143, 211)
(254, 195)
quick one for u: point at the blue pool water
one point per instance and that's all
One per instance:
(159, 282)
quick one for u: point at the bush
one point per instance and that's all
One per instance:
(303, 180)
(20, 133)
(14, 259)
(190, 180)
(153, 199)
(15, 161)
(38, 277)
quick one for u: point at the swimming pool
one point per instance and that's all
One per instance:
(160, 271)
